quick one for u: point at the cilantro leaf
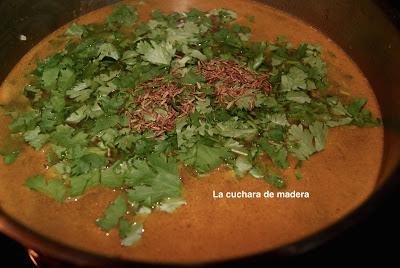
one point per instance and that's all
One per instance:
(355, 106)
(275, 180)
(114, 212)
(130, 233)
(50, 77)
(278, 118)
(171, 204)
(79, 184)
(183, 35)
(295, 79)
(203, 106)
(242, 165)
(203, 157)
(10, 157)
(75, 30)
(54, 188)
(301, 142)
(80, 114)
(277, 153)
(66, 79)
(298, 96)
(110, 178)
(159, 180)
(159, 54)
(320, 133)
(108, 50)
(80, 92)
(256, 173)
(361, 116)
(123, 16)
(35, 139)
(234, 129)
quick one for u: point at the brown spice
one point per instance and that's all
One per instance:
(155, 107)
(233, 81)
(163, 102)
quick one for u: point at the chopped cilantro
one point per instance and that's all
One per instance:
(35, 139)
(299, 176)
(203, 157)
(275, 180)
(113, 214)
(54, 188)
(301, 142)
(160, 54)
(250, 18)
(171, 204)
(75, 29)
(130, 233)
(125, 103)
(123, 16)
(10, 157)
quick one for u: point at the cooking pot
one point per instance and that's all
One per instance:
(367, 30)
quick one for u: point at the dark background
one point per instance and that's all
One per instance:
(373, 241)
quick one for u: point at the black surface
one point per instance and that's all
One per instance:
(13, 253)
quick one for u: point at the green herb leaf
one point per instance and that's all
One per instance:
(294, 80)
(275, 180)
(123, 16)
(157, 180)
(320, 132)
(171, 204)
(204, 158)
(301, 142)
(298, 96)
(75, 30)
(242, 166)
(10, 157)
(35, 139)
(54, 188)
(115, 211)
(130, 233)
(159, 54)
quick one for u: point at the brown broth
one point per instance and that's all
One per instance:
(338, 179)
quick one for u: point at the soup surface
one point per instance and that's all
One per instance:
(208, 228)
